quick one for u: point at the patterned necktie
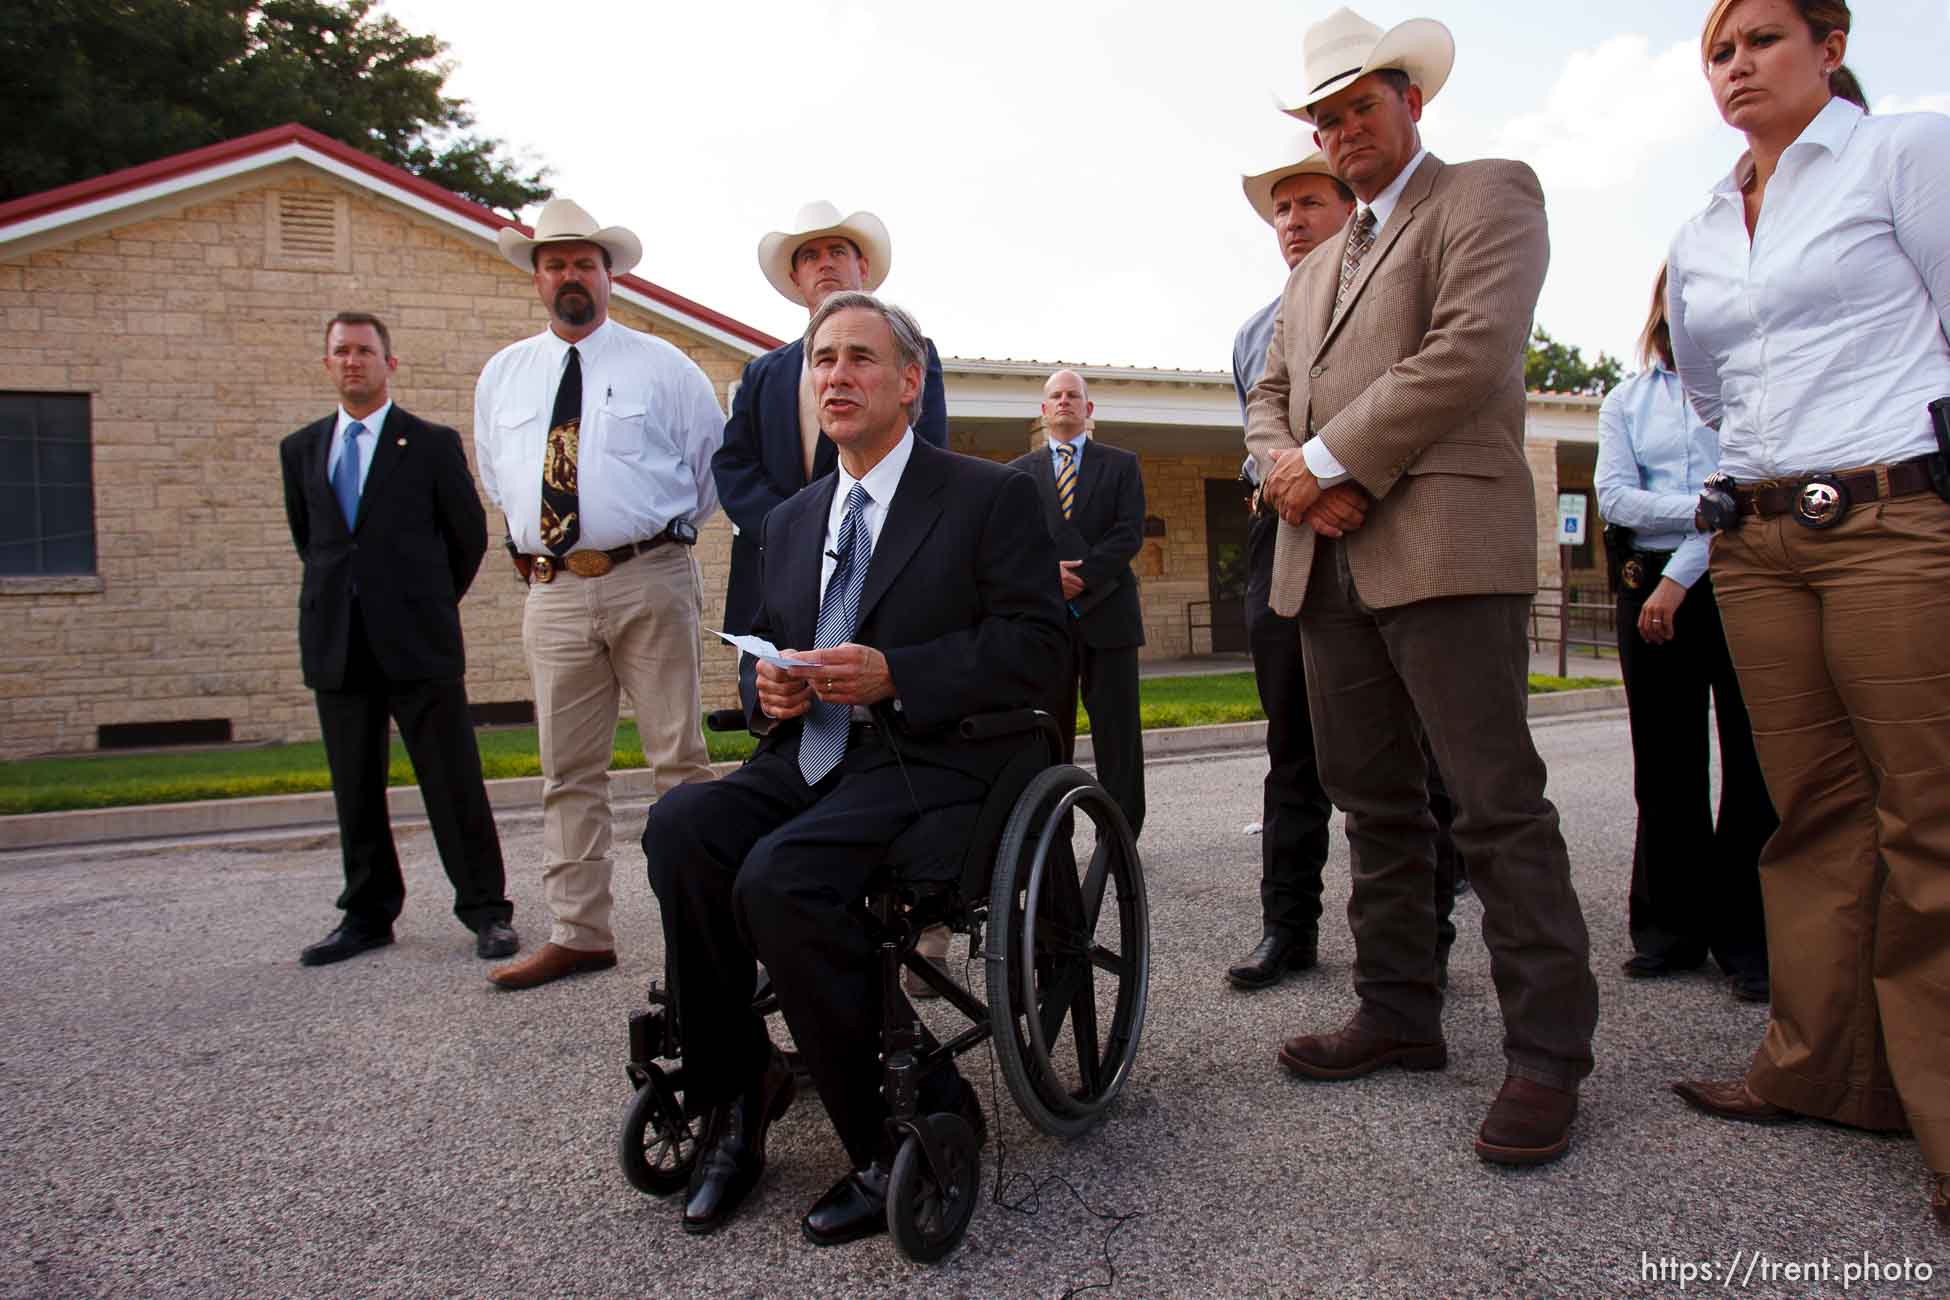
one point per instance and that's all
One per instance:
(1066, 479)
(561, 506)
(345, 476)
(822, 743)
(1359, 240)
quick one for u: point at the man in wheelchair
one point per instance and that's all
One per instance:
(920, 581)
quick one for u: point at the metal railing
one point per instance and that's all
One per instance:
(1588, 619)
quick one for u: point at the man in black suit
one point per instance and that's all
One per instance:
(385, 517)
(1093, 498)
(772, 442)
(912, 573)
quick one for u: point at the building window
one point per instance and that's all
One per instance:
(47, 492)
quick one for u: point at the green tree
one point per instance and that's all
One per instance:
(97, 85)
(1553, 367)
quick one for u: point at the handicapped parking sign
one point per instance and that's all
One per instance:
(1571, 507)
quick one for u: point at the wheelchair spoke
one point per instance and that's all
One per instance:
(1064, 988)
(1083, 1023)
(1093, 885)
(1106, 960)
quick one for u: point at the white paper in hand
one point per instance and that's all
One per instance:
(762, 650)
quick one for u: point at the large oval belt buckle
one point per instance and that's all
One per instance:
(1633, 574)
(1820, 502)
(588, 564)
(542, 570)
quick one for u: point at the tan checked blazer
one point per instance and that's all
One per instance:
(1417, 387)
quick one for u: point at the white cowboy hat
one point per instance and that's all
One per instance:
(1344, 47)
(817, 219)
(564, 222)
(1259, 189)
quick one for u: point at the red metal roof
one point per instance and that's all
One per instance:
(96, 188)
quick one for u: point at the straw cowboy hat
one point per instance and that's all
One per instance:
(563, 222)
(1259, 189)
(818, 219)
(1344, 47)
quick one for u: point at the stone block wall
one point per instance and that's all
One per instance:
(200, 354)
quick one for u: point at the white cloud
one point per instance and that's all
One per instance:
(1925, 103)
(1613, 109)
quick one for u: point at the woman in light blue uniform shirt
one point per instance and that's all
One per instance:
(1695, 880)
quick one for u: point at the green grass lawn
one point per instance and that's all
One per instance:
(117, 780)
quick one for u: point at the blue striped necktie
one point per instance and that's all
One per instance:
(1066, 478)
(822, 742)
(345, 475)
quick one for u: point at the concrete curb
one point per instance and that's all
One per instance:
(287, 811)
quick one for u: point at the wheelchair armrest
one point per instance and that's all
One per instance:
(1012, 722)
(725, 720)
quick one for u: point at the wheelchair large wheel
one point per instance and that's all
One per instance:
(927, 1216)
(1069, 951)
(658, 1145)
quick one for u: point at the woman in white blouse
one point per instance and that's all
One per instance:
(1809, 303)
(1695, 882)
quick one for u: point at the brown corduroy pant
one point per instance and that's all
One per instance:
(1842, 642)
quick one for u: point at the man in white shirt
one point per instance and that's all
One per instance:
(595, 440)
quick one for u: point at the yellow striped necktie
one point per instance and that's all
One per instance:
(1066, 479)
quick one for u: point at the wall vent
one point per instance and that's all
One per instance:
(158, 735)
(306, 230)
(514, 713)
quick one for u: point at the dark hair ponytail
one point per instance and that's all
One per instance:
(1844, 84)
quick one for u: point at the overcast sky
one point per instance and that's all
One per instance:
(1061, 179)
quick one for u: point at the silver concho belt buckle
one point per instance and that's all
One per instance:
(1820, 502)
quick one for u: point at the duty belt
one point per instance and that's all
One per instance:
(1820, 500)
(1642, 568)
(587, 564)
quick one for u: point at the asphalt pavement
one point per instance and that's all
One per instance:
(186, 1111)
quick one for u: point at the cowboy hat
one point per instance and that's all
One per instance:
(1259, 189)
(815, 220)
(1344, 47)
(564, 222)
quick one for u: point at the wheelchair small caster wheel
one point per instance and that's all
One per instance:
(927, 1216)
(658, 1145)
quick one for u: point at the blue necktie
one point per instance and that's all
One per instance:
(822, 743)
(345, 478)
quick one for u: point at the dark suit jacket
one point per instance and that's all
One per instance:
(1104, 530)
(762, 461)
(416, 546)
(958, 597)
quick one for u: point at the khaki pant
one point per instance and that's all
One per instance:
(633, 629)
(1842, 642)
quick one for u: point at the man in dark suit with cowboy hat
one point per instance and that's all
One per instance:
(1307, 206)
(772, 441)
(384, 515)
(1389, 429)
(918, 584)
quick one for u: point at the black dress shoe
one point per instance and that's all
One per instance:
(1277, 954)
(854, 1207)
(733, 1154)
(1751, 986)
(495, 940)
(1654, 965)
(348, 940)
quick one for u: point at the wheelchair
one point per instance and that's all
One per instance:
(1049, 891)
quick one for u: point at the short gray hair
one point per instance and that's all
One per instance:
(910, 346)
